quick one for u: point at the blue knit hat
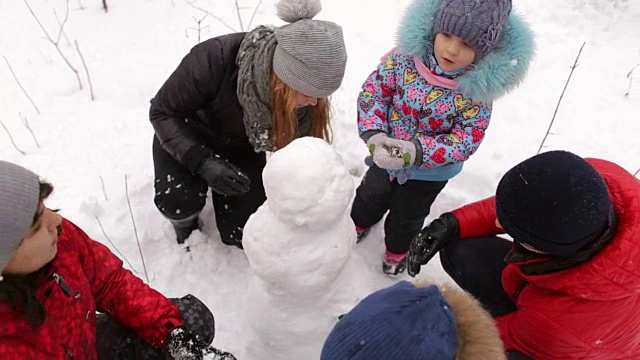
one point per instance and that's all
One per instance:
(555, 202)
(478, 23)
(399, 322)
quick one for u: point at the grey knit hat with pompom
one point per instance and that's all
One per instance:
(311, 55)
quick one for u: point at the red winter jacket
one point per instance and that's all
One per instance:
(590, 311)
(95, 280)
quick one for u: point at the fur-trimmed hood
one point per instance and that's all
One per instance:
(478, 336)
(497, 73)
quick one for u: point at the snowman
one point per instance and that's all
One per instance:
(299, 245)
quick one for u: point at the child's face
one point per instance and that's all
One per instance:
(452, 53)
(39, 245)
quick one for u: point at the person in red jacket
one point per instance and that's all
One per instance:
(54, 279)
(568, 287)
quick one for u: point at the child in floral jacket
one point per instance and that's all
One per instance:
(425, 109)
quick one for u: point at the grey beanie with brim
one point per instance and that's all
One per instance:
(311, 55)
(19, 199)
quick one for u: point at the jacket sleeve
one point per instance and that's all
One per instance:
(194, 83)
(478, 219)
(122, 295)
(373, 100)
(462, 141)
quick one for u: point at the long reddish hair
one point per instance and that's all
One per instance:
(283, 114)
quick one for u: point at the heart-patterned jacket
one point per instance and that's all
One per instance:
(411, 98)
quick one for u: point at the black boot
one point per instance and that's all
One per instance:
(184, 227)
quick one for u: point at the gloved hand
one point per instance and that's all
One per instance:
(223, 177)
(390, 153)
(430, 240)
(181, 345)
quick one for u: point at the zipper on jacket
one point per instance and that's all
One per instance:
(60, 281)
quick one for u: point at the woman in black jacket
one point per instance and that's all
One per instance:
(231, 99)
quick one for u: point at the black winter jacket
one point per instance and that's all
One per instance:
(196, 112)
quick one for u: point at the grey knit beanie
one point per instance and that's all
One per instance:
(311, 55)
(19, 198)
(478, 22)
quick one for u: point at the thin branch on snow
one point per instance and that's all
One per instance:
(630, 77)
(20, 85)
(636, 173)
(106, 198)
(55, 13)
(11, 138)
(198, 29)
(239, 16)
(135, 230)
(114, 245)
(86, 70)
(56, 43)
(253, 15)
(26, 124)
(575, 64)
(213, 16)
(80, 5)
(104, 6)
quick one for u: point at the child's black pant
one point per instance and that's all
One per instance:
(408, 205)
(476, 264)
(180, 193)
(114, 341)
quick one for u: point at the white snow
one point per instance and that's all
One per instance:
(132, 49)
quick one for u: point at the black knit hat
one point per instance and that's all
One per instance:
(555, 202)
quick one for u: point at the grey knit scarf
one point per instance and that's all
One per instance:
(255, 62)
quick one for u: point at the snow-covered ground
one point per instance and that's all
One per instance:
(88, 147)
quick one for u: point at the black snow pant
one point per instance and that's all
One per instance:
(476, 265)
(114, 341)
(179, 193)
(408, 204)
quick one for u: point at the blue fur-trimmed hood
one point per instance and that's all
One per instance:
(499, 72)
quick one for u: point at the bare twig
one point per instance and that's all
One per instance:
(198, 29)
(575, 64)
(56, 43)
(239, 16)
(86, 70)
(213, 16)
(114, 245)
(636, 173)
(80, 5)
(135, 230)
(106, 9)
(630, 77)
(20, 85)
(253, 15)
(106, 198)
(55, 13)
(25, 121)
(11, 138)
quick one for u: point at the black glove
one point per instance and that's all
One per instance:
(430, 240)
(181, 345)
(223, 177)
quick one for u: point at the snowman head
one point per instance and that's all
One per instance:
(307, 184)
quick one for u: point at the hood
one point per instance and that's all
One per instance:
(613, 273)
(497, 73)
(478, 337)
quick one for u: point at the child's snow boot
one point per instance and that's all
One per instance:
(184, 227)
(361, 233)
(394, 264)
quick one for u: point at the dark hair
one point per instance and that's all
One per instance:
(19, 290)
